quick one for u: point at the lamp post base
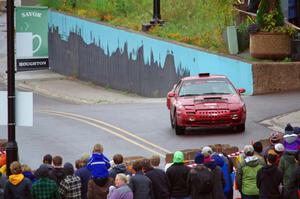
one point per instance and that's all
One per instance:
(153, 22)
(11, 154)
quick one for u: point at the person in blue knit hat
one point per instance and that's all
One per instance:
(200, 179)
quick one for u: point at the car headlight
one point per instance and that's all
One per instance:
(235, 116)
(180, 107)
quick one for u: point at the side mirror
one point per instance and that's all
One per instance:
(241, 90)
(171, 94)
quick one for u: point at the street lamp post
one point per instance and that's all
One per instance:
(156, 13)
(12, 147)
(156, 20)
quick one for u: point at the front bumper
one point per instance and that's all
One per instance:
(211, 118)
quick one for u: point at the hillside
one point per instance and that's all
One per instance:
(197, 22)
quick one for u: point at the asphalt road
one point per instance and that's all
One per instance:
(130, 129)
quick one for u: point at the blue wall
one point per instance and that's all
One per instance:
(110, 40)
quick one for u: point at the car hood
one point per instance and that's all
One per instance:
(212, 101)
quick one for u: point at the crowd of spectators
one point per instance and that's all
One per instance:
(270, 172)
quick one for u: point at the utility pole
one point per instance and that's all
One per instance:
(12, 147)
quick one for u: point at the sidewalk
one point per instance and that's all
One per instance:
(51, 84)
(279, 122)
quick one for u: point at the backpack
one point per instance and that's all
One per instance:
(203, 180)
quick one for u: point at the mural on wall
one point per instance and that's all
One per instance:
(129, 61)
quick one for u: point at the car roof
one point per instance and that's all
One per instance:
(205, 77)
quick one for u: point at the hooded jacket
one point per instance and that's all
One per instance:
(195, 177)
(119, 168)
(17, 187)
(291, 142)
(3, 180)
(287, 165)
(57, 174)
(98, 165)
(85, 175)
(177, 175)
(219, 180)
(294, 186)
(141, 186)
(29, 175)
(268, 180)
(97, 192)
(123, 192)
(160, 183)
(246, 175)
(224, 166)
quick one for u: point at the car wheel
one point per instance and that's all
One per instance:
(241, 127)
(171, 120)
(179, 130)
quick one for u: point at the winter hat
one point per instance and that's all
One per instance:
(43, 171)
(288, 129)
(274, 138)
(248, 150)
(207, 151)
(199, 158)
(258, 147)
(178, 157)
(68, 168)
(279, 147)
(218, 159)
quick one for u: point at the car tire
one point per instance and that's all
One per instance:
(172, 122)
(179, 130)
(241, 128)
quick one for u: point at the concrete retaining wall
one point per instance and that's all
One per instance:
(132, 61)
(138, 63)
(276, 77)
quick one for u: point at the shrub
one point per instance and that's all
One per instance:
(270, 9)
(270, 19)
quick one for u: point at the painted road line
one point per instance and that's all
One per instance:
(107, 130)
(109, 125)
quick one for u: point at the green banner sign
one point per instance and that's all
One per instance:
(31, 37)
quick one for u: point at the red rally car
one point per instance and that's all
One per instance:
(206, 101)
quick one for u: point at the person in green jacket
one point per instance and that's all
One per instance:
(287, 164)
(246, 174)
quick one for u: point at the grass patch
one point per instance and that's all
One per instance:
(196, 22)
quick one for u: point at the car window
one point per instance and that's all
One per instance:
(206, 87)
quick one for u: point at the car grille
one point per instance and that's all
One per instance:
(213, 114)
(211, 122)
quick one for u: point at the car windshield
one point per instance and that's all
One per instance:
(206, 87)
